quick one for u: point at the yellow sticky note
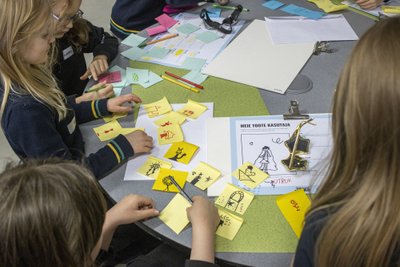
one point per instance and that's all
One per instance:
(169, 134)
(170, 118)
(250, 175)
(229, 225)
(181, 152)
(193, 109)
(164, 183)
(152, 167)
(114, 117)
(157, 108)
(108, 131)
(391, 9)
(328, 6)
(235, 199)
(293, 207)
(174, 214)
(203, 176)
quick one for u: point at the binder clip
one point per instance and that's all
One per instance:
(294, 112)
(296, 145)
(322, 47)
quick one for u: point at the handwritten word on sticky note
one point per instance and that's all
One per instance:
(193, 109)
(170, 118)
(293, 207)
(181, 152)
(163, 181)
(203, 176)
(229, 225)
(250, 175)
(152, 166)
(235, 199)
(174, 214)
(157, 108)
(169, 134)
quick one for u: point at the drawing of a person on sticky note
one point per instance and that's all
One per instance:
(265, 161)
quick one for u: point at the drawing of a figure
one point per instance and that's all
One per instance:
(234, 200)
(178, 154)
(265, 161)
(247, 174)
(153, 168)
(167, 181)
(196, 179)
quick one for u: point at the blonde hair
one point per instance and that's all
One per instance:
(19, 20)
(361, 190)
(52, 214)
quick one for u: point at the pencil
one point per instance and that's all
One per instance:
(181, 84)
(180, 189)
(184, 80)
(229, 7)
(159, 40)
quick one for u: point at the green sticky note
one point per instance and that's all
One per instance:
(193, 63)
(195, 76)
(187, 28)
(153, 79)
(207, 37)
(133, 40)
(158, 52)
(137, 76)
(133, 53)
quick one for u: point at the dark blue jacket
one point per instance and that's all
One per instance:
(34, 131)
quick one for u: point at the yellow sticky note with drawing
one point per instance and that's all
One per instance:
(203, 176)
(170, 118)
(235, 199)
(193, 109)
(250, 175)
(169, 134)
(114, 117)
(293, 207)
(108, 131)
(174, 214)
(229, 224)
(157, 108)
(181, 152)
(164, 183)
(152, 167)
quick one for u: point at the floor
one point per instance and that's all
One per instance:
(96, 11)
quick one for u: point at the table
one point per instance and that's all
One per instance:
(323, 70)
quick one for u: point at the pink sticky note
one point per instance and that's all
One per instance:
(111, 77)
(166, 21)
(156, 30)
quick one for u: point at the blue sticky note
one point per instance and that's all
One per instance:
(133, 53)
(187, 28)
(158, 52)
(301, 11)
(133, 40)
(137, 76)
(153, 79)
(214, 12)
(273, 4)
(193, 63)
(195, 76)
(207, 36)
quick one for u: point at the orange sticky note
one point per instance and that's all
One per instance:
(293, 207)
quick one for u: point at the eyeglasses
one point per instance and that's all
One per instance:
(73, 18)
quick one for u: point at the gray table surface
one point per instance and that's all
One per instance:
(323, 70)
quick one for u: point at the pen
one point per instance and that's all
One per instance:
(180, 189)
(184, 80)
(181, 84)
(159, 40)
(229, 7)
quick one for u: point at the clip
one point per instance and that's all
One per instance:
(294, 112)
(322, 47)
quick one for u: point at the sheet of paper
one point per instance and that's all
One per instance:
(259, 62)
(229, 225)
(260, 140)
(193, 109)
(174, 214)
(301, 11)
(152, 167)
(133, 40)
(153, 79)
(194, 134)
(250, 175)
(157, 108)
(293, 207)
(287, 30)
(235, 199)
(170, 134)
(181, 152)
(203, 176)
(164, 183)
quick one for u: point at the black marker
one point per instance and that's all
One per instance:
(180, 189)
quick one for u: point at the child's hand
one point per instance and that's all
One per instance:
(105, 92)
(223, 2)
(203, 214)
(140, 141)
(116, 104)
(368, 4)
(130, 209)
(98, 66)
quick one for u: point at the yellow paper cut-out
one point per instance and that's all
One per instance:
(164, 183)
(152, 167)
(170, 118)
(235, 199)
(108, 131)
(169, 134)
(181, 152)
(193, 109)
(114, 117)
(229, 224)
(328, 6)
(174, 214)
(203, 176)
(250, 175)
(293, 207)
(157, 108)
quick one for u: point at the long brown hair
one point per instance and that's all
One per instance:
(52, 214)
(361, 190)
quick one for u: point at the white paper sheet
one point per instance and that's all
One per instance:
(295, 29)
(193, 131)
(253, 59)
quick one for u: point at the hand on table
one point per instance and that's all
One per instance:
(140, 141)
(98, 91)
(116, 104)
